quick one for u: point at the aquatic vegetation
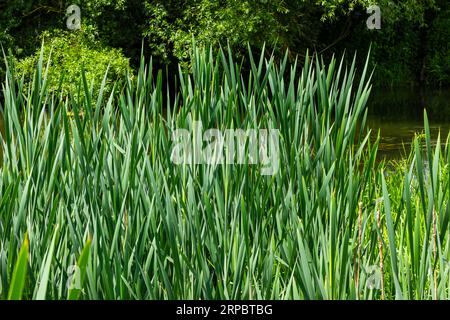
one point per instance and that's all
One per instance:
(93, 206)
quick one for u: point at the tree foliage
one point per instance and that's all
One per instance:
(412, 45)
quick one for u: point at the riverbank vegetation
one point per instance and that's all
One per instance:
(91, 206)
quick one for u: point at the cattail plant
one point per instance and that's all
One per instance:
(92, 206)
(380, 251)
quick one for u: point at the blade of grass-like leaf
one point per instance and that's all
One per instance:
(391, 237)
(80, 273)
(20, 272)
(45, 270)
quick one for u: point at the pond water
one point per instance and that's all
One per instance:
(398, 114)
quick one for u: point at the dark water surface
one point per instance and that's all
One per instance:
(398, 114)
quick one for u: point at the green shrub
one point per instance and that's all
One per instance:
(69, 53)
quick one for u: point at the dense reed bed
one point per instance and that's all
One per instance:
(92, 207)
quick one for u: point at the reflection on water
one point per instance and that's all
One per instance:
(408, 104)
(398, 114)
(396, 137)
